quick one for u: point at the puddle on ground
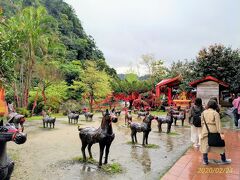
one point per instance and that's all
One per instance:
(46, 152)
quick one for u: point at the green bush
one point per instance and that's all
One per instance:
(40, 104)
(23, 111)
(71, 105)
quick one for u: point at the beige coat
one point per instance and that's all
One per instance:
(212, 119)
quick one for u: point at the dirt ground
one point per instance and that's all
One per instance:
(47, 152)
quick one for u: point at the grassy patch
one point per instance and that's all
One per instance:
(33, 118)
(129, 142)
(108, 168)
(89, 160)
(158, 113)
(152, 146)
(112, 168)
(173, 133)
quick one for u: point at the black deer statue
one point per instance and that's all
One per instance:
(143, 114)
(17, 120)
(8, 132)
(181, 116)
(73, 117)
(168, 119)
(88, 115)
(144, 127)
(103, 135)
(48, 120)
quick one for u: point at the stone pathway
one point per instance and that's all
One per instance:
(189, 166)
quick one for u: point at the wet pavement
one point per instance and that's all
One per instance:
(47, 152)
(189, 166)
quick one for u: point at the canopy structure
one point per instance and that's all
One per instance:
(169, 84)
(208, 78)
(209, 87)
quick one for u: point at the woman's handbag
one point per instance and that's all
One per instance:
(214, 139)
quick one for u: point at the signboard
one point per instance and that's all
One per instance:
(207, 90)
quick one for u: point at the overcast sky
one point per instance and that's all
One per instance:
(170, 29)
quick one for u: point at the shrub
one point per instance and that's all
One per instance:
(23, 111)
(71, 105)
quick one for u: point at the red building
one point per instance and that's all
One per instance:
(166, 87)
(209, 87)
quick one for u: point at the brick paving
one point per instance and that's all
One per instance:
(190, 167)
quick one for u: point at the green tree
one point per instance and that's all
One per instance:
(131, 84)
(7, 53)
(96, 83)
(72, 71)
(75, 43)
(155, 68)
(185, 69)
(220, 62)
(34, 36)
(47, 73)
(56, 94)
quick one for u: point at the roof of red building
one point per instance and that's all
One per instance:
(208, 78)
(170, 81)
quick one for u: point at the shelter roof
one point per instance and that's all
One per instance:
(170, 82)
(208, 78)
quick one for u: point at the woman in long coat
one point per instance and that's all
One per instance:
(213, 122)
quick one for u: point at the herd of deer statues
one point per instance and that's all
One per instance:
(103, 135)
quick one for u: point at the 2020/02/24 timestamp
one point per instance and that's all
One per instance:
(214, 170)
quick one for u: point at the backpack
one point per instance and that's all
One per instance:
(196, 117)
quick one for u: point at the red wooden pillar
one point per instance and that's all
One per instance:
(169, 96)
(158, 91)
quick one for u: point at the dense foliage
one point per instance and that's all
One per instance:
(220, 62)
(43, 44)
(186, 70)
(46, 59)
(79, 45)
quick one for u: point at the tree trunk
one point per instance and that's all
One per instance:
(91, 102)
(25, 97)
(44, 96)
(130, 104)
(16, 97)
(34, 103)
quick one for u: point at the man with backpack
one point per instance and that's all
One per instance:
(195, 121)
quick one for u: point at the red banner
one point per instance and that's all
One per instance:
(3, 104)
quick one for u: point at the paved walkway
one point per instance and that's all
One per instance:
(189, 166)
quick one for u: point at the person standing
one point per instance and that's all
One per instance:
(195, 121)
(212, 120)
(236, 111)
(219, 106)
